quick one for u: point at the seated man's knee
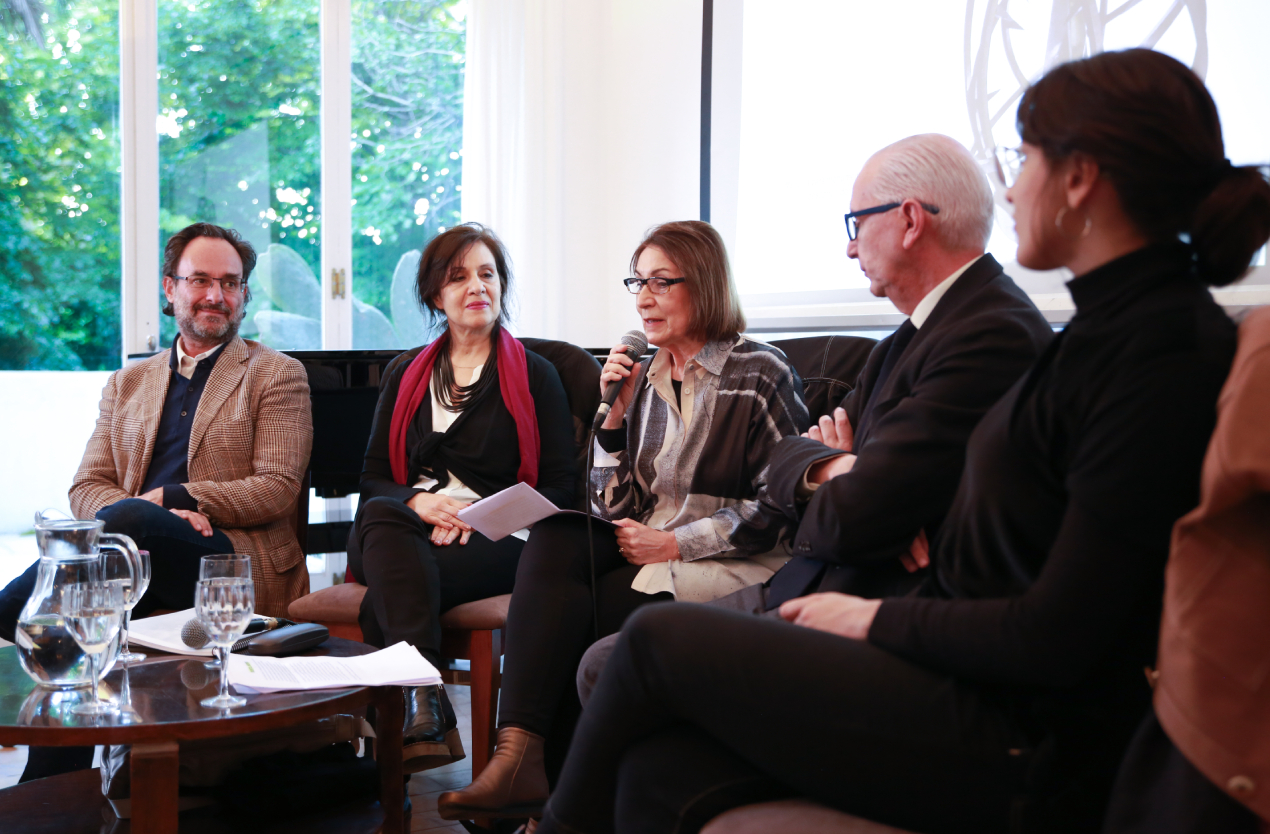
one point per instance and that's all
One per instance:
(132, 517)
(592, 665)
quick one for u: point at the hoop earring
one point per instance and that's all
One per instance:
(1058, 223)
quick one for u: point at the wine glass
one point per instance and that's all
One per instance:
(134, 579)
(224, 606)
(217, 565)
(93, 611)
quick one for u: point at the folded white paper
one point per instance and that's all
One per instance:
(399, 665)
(164, 632)
(512, 509)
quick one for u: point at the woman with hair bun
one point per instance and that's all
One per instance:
(1001, 696)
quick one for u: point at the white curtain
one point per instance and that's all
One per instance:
(581, 130)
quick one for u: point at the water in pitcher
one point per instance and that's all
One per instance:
(69, 552)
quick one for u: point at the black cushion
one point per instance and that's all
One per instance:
(829, 366)
(580, 374)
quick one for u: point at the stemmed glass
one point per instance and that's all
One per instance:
(218, 565)
(224, 601)
(134, 579)
(93, 611)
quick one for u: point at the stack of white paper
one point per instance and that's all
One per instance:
(399, 665)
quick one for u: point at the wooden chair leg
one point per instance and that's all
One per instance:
(485, 654)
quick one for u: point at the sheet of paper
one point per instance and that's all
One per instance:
(399, 665)
(164, 632)
(503, 513)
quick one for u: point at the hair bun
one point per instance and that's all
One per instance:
(1231, 223)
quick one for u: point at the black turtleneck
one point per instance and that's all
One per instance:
(1049, 569)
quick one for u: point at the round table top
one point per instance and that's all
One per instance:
(166, 690)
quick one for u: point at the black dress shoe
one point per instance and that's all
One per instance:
(430, 737)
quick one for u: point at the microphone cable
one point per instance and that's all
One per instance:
(590, 536)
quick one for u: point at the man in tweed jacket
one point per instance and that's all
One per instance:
(200, 449)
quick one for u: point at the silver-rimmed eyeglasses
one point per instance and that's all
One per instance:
(229, 286)
(658, 286)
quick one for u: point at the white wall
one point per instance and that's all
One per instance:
(46, 422)
(604, 145)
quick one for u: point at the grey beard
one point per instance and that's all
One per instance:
(187, 322)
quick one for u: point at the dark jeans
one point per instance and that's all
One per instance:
(549, 625)
(700, 710)
(1159, 792)
(410, 583)
(175, 548)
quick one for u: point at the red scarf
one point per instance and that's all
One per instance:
(513, 383)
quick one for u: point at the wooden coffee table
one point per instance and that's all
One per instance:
(168, 713)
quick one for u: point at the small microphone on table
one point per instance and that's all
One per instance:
(195, 636)
(636, 345)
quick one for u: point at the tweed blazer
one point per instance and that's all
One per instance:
(249, 447)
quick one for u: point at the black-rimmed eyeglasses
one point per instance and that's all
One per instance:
(853, 225)
(229, 286)
(658, 286)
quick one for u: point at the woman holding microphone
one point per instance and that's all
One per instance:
(680, 473)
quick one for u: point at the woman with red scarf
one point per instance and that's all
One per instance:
(458, 420)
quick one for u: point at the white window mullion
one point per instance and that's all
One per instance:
(337, 180)
(139, 156)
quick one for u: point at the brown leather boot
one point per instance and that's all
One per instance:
(513, 784)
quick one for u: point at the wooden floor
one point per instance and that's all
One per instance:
(423, 788)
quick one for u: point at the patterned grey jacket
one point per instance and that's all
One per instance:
(702, 471)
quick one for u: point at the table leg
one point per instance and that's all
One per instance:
(390, 715)
(155, 768)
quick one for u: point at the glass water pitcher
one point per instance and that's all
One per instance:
(69, 553)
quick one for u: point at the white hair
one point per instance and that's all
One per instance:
(938, 171)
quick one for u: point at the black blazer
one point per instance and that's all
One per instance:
(980, 338)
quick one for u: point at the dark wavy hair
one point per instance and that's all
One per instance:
(439, 257)
(176, 244)
(1152, 127)
(445, 250)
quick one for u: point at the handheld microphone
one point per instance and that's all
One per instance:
(194, 635)
(636, 344)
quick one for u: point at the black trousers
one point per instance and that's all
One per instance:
(700, 710)
(410, 583)
(549, 625)
(175, 549)
(1158, 791)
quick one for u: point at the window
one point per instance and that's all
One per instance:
(59, 189)
(864, 75)
(407, 157)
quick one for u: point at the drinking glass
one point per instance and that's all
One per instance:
(218, 565)
(224, 606)
(93, 611)
(231, 565)
(134, 579)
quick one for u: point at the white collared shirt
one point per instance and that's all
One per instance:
(927, 305)
(185, 364)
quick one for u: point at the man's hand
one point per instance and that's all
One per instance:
(642, 545)
(918, 555)
(442, 512)
(835, 432)
(840, 614)
(823, 470)
(154, 496)
(196, 519)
